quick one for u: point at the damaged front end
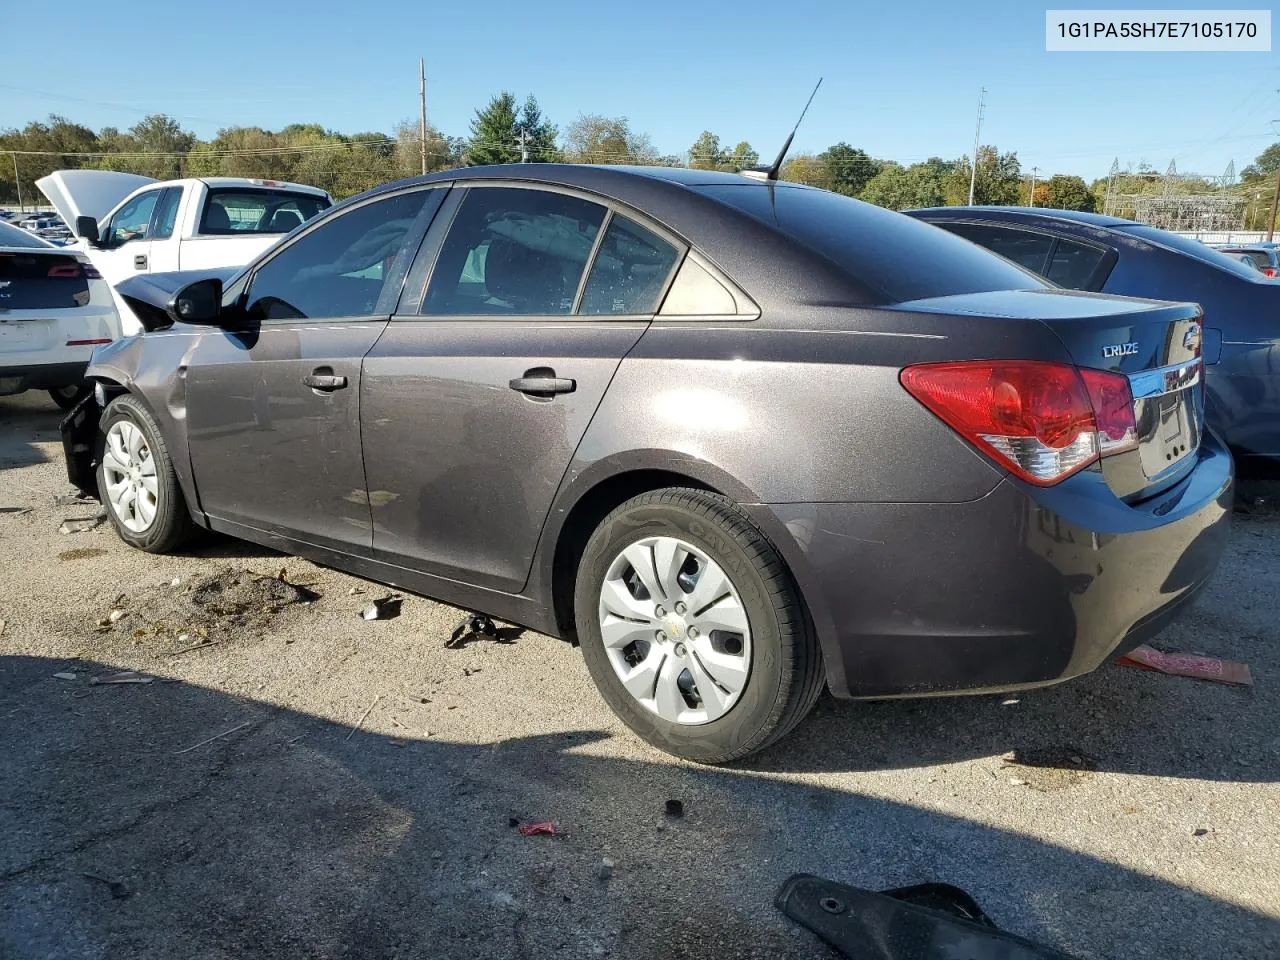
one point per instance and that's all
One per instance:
(79, 444)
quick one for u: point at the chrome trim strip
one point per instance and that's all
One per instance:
(1164, 380)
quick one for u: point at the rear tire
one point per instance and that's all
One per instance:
(68, 397)
(710, 536)
(137, 482)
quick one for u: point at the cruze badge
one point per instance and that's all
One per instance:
(1191, 339)
(1119, 350)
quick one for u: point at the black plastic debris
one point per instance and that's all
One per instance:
(388, 608)
(473, 626)
(931, 921)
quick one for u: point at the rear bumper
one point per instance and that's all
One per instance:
(1024, 587)
(41, 376)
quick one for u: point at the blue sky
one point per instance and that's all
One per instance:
(902, 78)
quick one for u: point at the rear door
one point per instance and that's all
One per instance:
(478, 393)
(273, 410)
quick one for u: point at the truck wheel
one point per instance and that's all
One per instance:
(136, 480)
(692, 627)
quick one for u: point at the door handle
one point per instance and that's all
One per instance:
(543, 385)
(324, 381)
(140, 261)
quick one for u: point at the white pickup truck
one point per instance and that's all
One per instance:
(130, 224)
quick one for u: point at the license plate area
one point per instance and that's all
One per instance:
(1168, 408)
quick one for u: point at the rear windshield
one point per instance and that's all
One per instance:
(11, 236)
(237, 210)
(898, 255)
(42, 281)
(1193, 248)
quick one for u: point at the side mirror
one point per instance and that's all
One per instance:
(199, 302)
(87, 227)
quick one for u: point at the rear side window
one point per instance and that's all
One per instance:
(514, 252)
(1074, 265)
(629, 272)
(899, 256)
(239, 210)
(339, 268)
(1023, 247)
(1193, 248)
(166, 213)
(11, 236)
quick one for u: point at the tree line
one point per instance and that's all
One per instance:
(508, 130)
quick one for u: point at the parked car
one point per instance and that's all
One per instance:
(1265, 256)
(1089, 251)
(739, 439)
(54, 309)
(132, 224)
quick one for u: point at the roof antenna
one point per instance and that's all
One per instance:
(771, 172)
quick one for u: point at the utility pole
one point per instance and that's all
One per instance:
(524, 147)
(1271, 220)
(17, 182)
(977, 135)
(422, 104)
(1032, 198)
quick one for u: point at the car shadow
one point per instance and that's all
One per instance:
(165, 819)
(25, 421)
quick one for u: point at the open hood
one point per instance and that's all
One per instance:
(88, 193)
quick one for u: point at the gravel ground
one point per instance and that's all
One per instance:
(357, 801)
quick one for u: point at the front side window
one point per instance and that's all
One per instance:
(629, 272)
(133, 219)
(239, 210)
(1026, 249)
(166, 213)
(513, 252)
(338, 269)
(1074, 264)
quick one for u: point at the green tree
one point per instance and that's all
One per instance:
(848, 168)
(902, 188)
(1067, 193)
(1265, 165)
(493, 132)
(51, 146)
(539, 133)
(999, 179)
(593, 138)
(805, 168)
(706, 153)
(743, 157)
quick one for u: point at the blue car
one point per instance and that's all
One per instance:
(1089, 251)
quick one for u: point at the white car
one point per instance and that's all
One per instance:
(54, 309)
(132, 224)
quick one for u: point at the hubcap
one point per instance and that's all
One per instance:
(130, 472)
(675, 631)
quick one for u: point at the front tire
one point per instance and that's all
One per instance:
(692, 627)
(137, 482)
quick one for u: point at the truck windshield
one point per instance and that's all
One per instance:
(231, 211)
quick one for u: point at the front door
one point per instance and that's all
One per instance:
(273, 409)
(473, 407)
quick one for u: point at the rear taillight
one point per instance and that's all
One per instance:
(1044, 421)
(1269, 271)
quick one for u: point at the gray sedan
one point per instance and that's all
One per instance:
(740, 440)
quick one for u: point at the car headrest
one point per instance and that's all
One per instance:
(215, 218)
(282, 221)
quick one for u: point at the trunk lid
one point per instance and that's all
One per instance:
(1155, 344)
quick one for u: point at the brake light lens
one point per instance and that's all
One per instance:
(1043, 421)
